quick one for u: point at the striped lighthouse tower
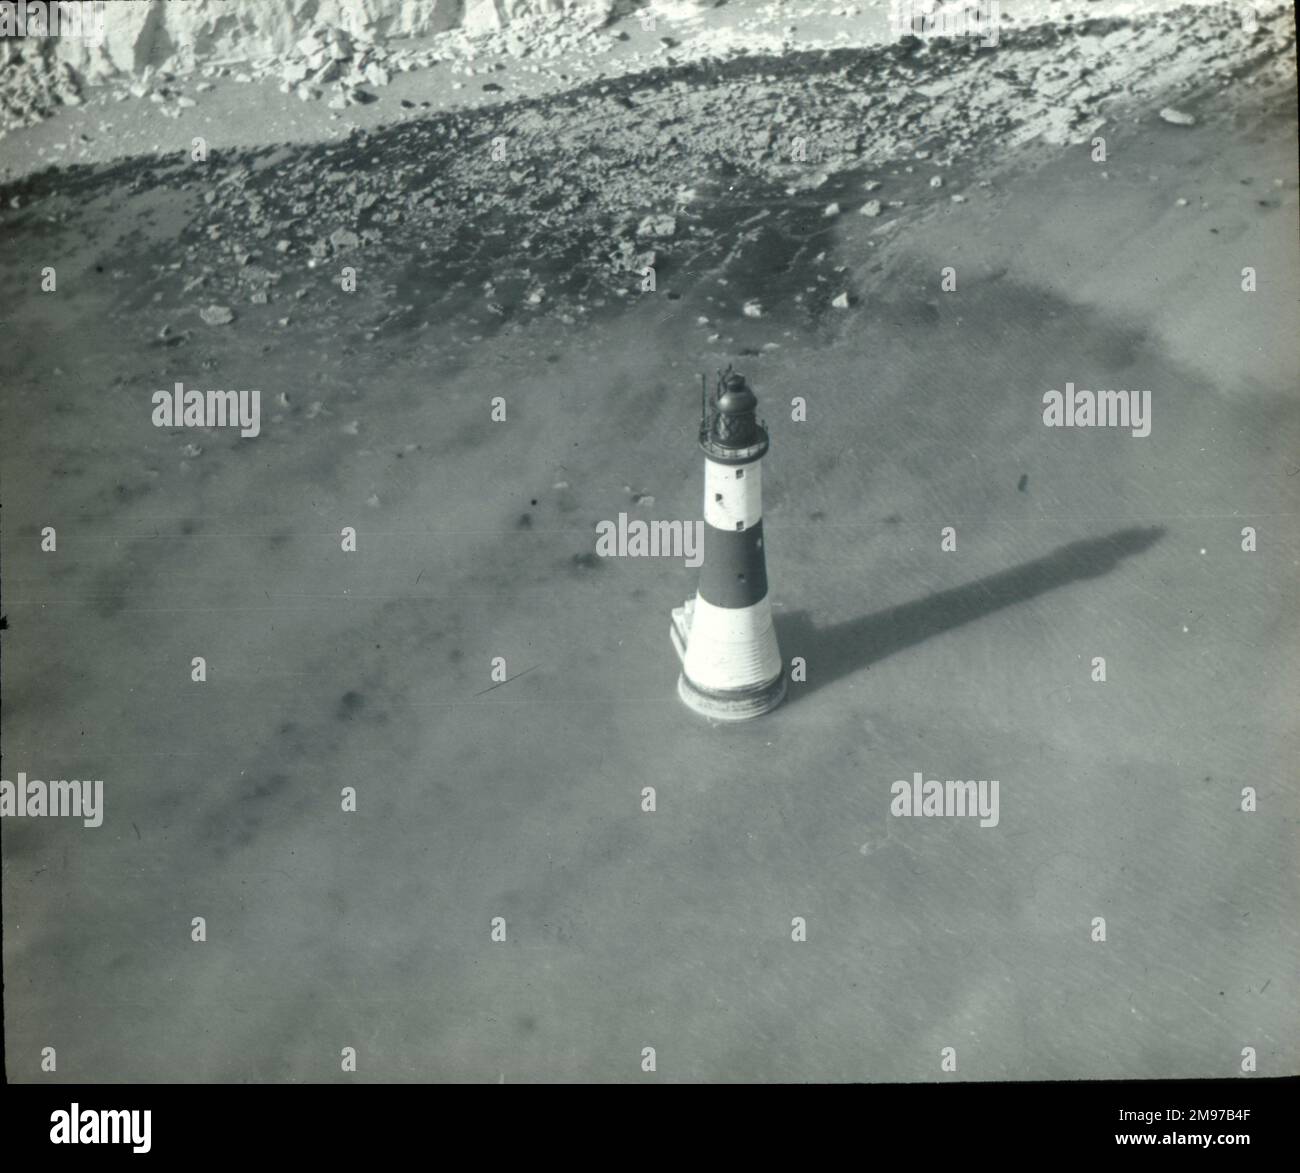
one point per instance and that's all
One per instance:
(731, 665)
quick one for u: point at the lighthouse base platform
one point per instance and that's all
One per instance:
(738, 704)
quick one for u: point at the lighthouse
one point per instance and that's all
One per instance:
(731, 665)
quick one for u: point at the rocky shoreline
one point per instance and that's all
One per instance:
(565, 204)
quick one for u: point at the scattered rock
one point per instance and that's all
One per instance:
(32, 83)
(217, 315)
(657, 225)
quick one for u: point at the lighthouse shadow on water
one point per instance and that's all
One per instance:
(840, 649)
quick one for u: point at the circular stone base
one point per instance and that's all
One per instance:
(734, 704)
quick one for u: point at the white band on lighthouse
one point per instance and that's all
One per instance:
(725, 637)
(733, 495)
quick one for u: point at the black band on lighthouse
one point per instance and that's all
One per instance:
(734, 573)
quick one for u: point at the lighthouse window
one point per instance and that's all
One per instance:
(718, 498)
(740, 472)
(740, 525)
